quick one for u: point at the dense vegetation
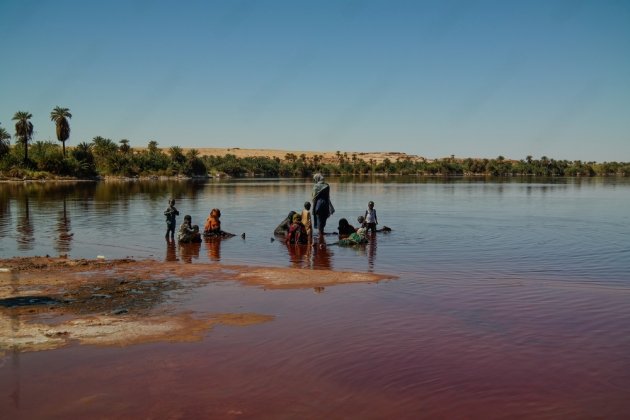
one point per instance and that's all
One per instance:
(104, 157)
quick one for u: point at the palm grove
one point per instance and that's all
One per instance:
(43, 159)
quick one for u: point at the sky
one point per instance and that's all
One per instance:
(431, 78)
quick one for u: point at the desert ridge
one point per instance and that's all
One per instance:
(326, 157)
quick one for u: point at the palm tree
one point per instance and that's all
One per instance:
(60, 116)
(103, 147)
(4, 141)
(23, 129)
(192, 154)
(177, 155)
(124, 146)
(83, 152)
(153, 147)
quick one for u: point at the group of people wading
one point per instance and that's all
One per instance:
(296, 228)
(189, 233)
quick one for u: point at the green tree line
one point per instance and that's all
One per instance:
(105, 157)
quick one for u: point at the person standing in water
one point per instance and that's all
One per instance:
(170, 213)
(322, 206)
(306, 220)
(370, 217)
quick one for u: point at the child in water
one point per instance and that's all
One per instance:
(170, 214)
(363, 224)
(370, 217)
(306, 220)
(188, 233)
(297, 232)
(213, 223)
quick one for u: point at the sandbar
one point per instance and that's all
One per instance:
(48, 303)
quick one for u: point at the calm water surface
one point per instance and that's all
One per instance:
(512, 300)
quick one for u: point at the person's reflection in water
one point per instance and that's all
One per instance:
(321, 254)
(171, 250)
(213, 246)
(189, 251)
(299, 254)
(371, 252)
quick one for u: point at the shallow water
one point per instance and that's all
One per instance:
(512, 300)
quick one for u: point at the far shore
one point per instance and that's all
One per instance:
(328, 156)
(176, 163)
(325, 157)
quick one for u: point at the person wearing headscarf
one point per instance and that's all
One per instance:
(297, 232)
(322, 206)
(283, 228)
(345, 228)
(355, 239)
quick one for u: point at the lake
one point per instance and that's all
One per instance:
(511, 299)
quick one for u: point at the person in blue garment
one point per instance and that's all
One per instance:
(322, 205)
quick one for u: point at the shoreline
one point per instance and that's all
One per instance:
(126, 301)
(298, 164)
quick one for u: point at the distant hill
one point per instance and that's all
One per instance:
(326, 156)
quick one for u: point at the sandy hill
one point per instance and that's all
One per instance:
(327, 156)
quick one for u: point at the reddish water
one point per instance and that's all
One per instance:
(513, 302)
(517, 348)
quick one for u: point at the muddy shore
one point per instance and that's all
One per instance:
(47, 303)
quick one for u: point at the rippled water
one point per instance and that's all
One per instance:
(512, 300)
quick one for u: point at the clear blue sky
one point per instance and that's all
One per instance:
(433, 78)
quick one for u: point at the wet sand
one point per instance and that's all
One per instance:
(122, 302)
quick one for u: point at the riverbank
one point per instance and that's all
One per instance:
(179, 163)
(58, 301)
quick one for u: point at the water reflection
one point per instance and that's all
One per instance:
(213, 248)
(24, 226)
(188, 252)
(476, 220)
(371, 252)
(171, 250)
(299, 255)
(64, 237)
(5, 212)
(322, 255)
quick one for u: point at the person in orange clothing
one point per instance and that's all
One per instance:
(213, 223)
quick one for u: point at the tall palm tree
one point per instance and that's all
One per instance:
(60, 116)
(23, 129)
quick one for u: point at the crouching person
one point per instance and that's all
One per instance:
(188, 233)
(354, 239)
(297, 232)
